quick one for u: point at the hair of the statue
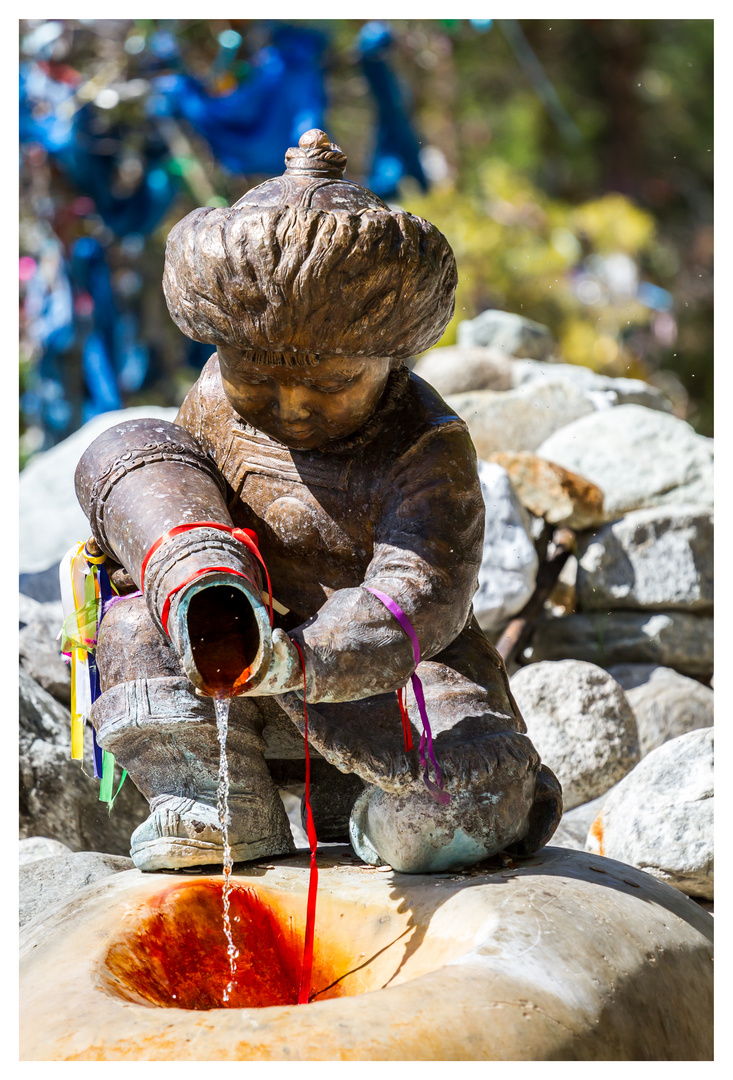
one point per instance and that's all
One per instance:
(281, 359)
(294, 282)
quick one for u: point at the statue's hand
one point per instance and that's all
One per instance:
(285, 672)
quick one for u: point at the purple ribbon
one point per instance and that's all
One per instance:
(426, 739)
(107, 604)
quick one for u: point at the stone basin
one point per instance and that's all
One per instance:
(563, 956)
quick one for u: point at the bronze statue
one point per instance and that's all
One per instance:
(360, 486)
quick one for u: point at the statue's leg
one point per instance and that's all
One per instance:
(332, 793)
(501, 797)
(165, 735)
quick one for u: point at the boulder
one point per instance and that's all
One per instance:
(39, 648)
(518, 419)
(603, 390)
(660, 817)
(57, 799)
(33, 848)
(29, 609)
(665, 703)
(563, 957)
(509, 565)
(451, 369)
(574, 824)
(551, 492)
(660, 559)
(638, 457)
(292, 802)
(581, 724)
(673, 639)
(512, 334)
(51, 519)
(46, 883)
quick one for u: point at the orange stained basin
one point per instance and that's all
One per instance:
(564, 956)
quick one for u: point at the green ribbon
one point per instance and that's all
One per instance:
(80, 628)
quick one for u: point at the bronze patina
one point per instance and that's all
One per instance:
(307, 428)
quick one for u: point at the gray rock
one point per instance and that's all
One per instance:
(34, 848)
(580, 722)
(550, 492)
(519, 419)
(28, 609)
(51, 519)
(292, 802)
(660, 559)
(574, 824)
(39, 649)
(665, 703)
(46, 883)
(638, 457)
(451, 369)
(509, 566)
(672, 639)
(43, 586)
(57, 799)
(512, 334)
(603, 390)
(660, 817)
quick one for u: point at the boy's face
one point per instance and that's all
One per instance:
(304, 407)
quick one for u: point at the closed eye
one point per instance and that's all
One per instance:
(329, 388)
(253, 380)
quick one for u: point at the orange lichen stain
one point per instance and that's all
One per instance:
(596, 831)
(176, 955)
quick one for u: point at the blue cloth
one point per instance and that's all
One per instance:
(75, 148)
(250, 128)
(397, 150)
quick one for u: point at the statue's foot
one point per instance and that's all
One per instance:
(415, 835)
(181, 832)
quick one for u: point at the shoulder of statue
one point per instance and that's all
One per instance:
(432, 433)
(206, 412)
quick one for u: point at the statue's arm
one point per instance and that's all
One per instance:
(427, 554)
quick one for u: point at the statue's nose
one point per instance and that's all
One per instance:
(293, 404)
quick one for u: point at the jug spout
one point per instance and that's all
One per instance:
(221, 631)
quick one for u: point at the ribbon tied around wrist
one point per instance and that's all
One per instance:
(426, 739)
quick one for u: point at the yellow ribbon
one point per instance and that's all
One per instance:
(78, 653)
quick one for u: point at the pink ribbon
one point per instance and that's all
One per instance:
(426, 739)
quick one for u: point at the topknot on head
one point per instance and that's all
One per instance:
(315, 155)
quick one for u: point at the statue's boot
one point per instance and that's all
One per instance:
(165, 735)
(416, 835)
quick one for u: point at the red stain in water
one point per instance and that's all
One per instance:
(176, 957)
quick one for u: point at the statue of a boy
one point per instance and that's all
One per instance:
(361, 486)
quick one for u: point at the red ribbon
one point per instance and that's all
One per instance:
(406, 731)
(248, 537)
(310, 917)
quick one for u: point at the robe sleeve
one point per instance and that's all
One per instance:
(427, 553)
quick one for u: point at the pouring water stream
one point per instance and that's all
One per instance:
(221, 705)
